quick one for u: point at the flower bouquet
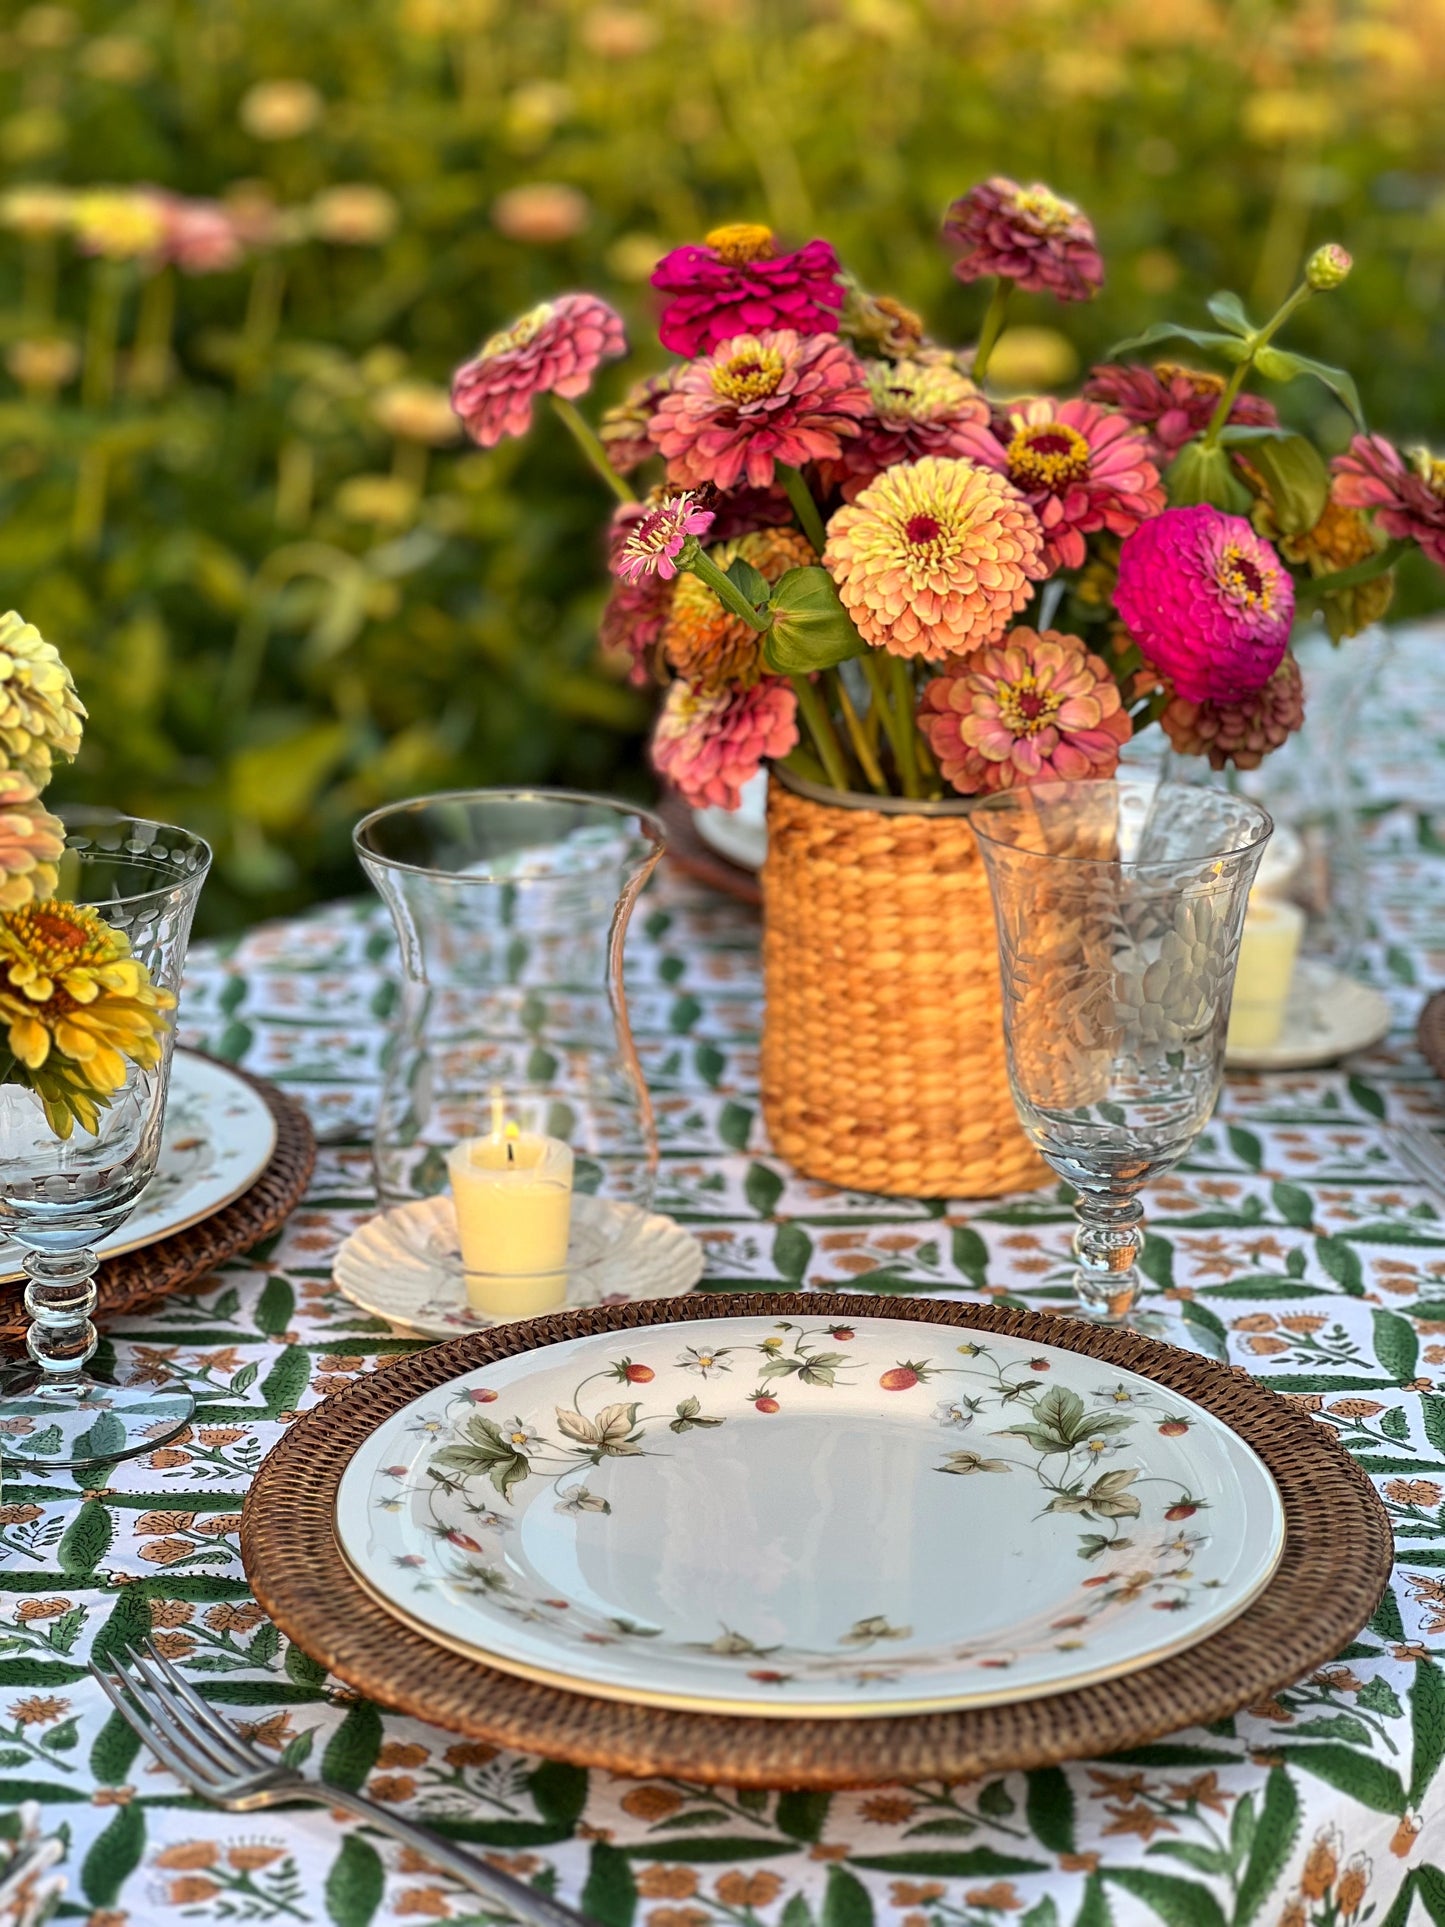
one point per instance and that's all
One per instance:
(853, 562)
(75, 1006)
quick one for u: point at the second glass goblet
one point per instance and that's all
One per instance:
(60, 1195)
(1119, 908)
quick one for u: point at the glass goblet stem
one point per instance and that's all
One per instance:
(1107, 1244)
(60, 1298)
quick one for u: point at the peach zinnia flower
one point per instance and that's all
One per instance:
(1029, 709)
(1080, 467)
(555, 348)
(710, 742)
(934, 557)
(706, 643)
(32, 841)
(756, 401)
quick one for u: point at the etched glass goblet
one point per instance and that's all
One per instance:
(61, 1195)
(1119, 907)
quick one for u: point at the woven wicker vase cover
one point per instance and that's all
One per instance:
(883, 1054)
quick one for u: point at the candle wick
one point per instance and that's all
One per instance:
(511, 1152)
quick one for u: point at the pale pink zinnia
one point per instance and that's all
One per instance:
(738, 284)
(918, 408)
(1408, 499)
(934, 557)
(200, 237)
(1030, 708)
(1172, 402)
(758, 401)
(554, 348)
(652, 543)
(1028, 235)
(709, 743)
(1080, 467)
(1207, 600)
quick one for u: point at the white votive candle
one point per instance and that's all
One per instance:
(513, 1196)
(1272, 931)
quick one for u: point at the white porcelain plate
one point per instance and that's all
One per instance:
(741, 835)
(405, 1264)
(1328, 1016)
(756, 1516)
(217, 1139)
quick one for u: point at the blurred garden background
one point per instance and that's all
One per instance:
(230, 487)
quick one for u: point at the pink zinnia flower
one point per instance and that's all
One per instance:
(737, 284)
(1080, 468)
(710, 743)
(651, 544)
(553, 349)
(742, 511)
(200, 237)
(918, 408)
(1207, 600)
(1174, 403)
(1028, 235)
(934, 557)
(1030, 708)
(759, 400)
(1408, 500)
(636, 611)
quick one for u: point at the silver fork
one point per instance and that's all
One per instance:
(1422, 1155)
(208, 1755)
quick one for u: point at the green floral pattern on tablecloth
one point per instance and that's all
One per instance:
(1292, 1229)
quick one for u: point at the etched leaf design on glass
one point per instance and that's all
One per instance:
(1060, 1422)
(612, 1434)
(487, 1453)
(1106, 1498)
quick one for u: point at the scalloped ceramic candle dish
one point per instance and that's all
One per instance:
(802, 1519)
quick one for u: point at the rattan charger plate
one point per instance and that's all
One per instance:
(1337, 1558)
(134, 1280)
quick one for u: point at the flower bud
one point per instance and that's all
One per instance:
(1327, 267)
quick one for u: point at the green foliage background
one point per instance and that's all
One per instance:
(265, 652)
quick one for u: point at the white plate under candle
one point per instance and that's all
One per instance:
(405, 1264)
(1328, 1016)
(747, 1515)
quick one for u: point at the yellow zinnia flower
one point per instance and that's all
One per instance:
(75, 1006)
(40, 713)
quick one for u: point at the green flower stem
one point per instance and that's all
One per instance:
(587, 440)
(263, 318)
(1261, 339)
(804, 507)
(151, 351)
(820, 728)
(1366, 571)
(92, 487)
(102, 326)
(696, 559)
(857, 735)
(40, 272)
(881, 706)
(901, 677)
(994, 318)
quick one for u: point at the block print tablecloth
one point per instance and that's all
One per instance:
(1293, 1227)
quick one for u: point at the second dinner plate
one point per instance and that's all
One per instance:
(795, 1517)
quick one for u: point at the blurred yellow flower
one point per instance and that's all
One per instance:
(541, 212)
(1278, 116)
(77, 1010)
(619, 33)
(280, 110)
(47, 28)
(37, 208)
(388, 500)
(417, 411)
(45, 362)
(434, 17)
(355, 215)
(117, 57)
(118, 223)
(40, 713)
(1028, 359)
(632, 257)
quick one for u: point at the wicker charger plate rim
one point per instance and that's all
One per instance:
(134, 1280)
(1338, 1557)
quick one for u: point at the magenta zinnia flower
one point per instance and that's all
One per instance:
(760, 400)
(1028, 235)
(652, 543)
(709, 743)
(1174, 403)
(1207, 600)
(1030, 708)
(554, 348)
(918, 408)
(1408, 500)
(1080, 468)
(934, 557)
(737, 284)
(636, 611)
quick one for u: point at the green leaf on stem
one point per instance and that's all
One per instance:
(753, 584)
(1297, 480)
(811, 628)
(1278, 364)
(1229, 347)
(1228, 311)
(1200, 474)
